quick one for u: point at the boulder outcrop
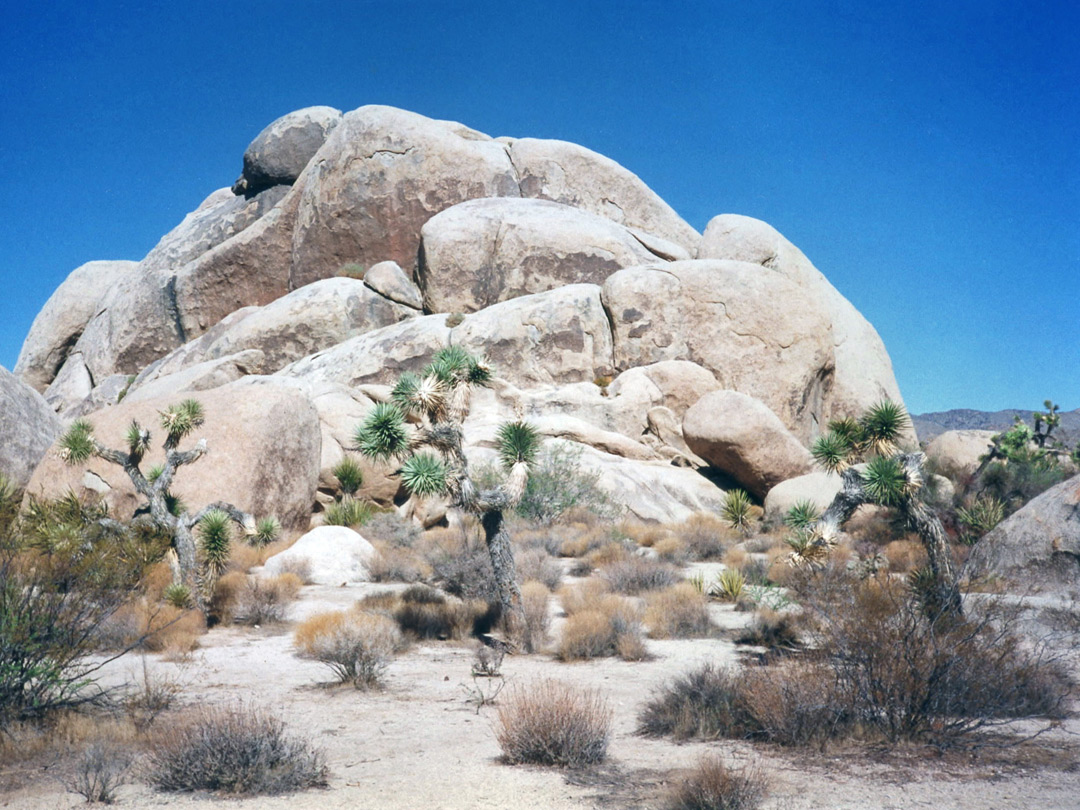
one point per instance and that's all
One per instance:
(280, 152)
(28, 426)
(957, 453)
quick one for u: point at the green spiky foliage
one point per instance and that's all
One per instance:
(215, 539)
(424, 474)
(885, 481)
(349, 475)
(833, 452)
(737, 509)
(730, 584)
(518, 443)
(9, 502)
(177, 595)
(179, 420)
(383, 435)
(802, 515)
(807, 549)
(978, 516)
(138, 440)
(267, 530)
(155, 472)
(348, 512)
(77, 444)
(882, 426)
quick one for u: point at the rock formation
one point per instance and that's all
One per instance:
(355, 245)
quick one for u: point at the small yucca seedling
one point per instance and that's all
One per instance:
(698, 582)
(215, 536)
(802, 515)
(349, 475)
(267, 530)
(730, 584)
(177, 595)
(980, 516)
(348, 512)
(736, 509)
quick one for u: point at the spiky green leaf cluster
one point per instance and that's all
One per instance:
(979, 516)
(382, 435)
(267, 530)
(215, 538)
(349, 475)
(348, 512)
(155, 472)
(138, 440)
(518, 442)
(884, 481)
(802, 515)
(424, 474)
(877, 432)
(730, 584)
(833, 452)
(454, 365)
(177, 595)
(179, 419)
(882, 426)
(77, 443)
(736, 509)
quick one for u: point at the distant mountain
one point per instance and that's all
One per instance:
(929, 425)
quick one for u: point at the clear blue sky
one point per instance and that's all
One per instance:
(926, 156)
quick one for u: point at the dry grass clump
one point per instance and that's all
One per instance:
(534, 602)
(680, 611)
(773, 630)
(711, 785)
(599, 624)
(236, 750)
(672, 549)
(904, 555)
(883, 670)
(99, 770)
(265, 601)
(397, 564)
(552, 723)
(152, 626)
(705, 536)
(356, 645)
(645, 535)
(581, 540)
(537, 565)
(633, 575)
(423, 612)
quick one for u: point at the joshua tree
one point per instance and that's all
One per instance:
(438, 400)
(891, 478)
(165, 512)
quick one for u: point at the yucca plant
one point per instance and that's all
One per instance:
(348, 512)
(349, 475)
(730, 584)
(802, 515)
(165, 513)
(215, 542)
(737, 509)
(979, 516)
(433, 462)
(267, 530)
(177, 595)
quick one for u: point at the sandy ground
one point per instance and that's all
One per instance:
(418, 743)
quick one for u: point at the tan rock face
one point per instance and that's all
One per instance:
(481, 252)
(379, 177)
(64, 317)
(282, 150)
(264, 448)
(864, 374)
(740, 436)
(957, 452)
(28, 426)
(573, 175)
(755, 331)
(390, 281)
(560, 336)
(818, 487)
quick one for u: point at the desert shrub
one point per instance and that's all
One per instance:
(537, 565)
(356, 646)
(552, 723)
(392, 529)
(557, 484)
(772, 629)
(581, 543)
(904, 555)
(396, 564)
(705, 536)
(978, 516)
(265, 601)
(63, 575)
(425, 613)
(234, 749)
(599, 625)
(703, 703)
(100, 769)
(351, 270)
(680, 611)
(462, 567)
(635, 574)
(534, 601)
(672, 549)
(711, 785)
(348, 512)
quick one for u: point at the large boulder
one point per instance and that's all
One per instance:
(281, 151)
(382, 174)
(264, 449)
(957, 453)
(328, 555)
(573, 175)
(740, 436)
(376, 357)
(757, 332)
(481, 252)
(390, 281)
(560, 336)
(1037, 549)
(315, 317)
(818, 487)
(62, 320)
(28, 426)
(863, 374)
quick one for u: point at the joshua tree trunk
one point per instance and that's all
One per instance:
(502, 563)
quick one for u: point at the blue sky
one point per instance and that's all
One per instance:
(925, 156)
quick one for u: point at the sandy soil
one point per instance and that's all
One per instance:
(418, 743)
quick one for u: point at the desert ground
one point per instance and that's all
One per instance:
(419, 742)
